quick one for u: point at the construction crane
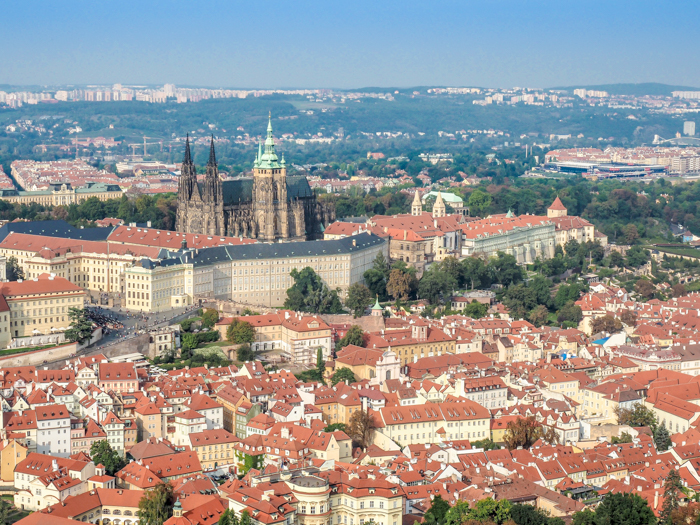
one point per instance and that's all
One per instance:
(134, 146)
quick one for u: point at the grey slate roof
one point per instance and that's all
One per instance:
(55, 228)
(241, 189)
(281, 250)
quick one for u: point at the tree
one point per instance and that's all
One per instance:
(5, 510)
(210, 317)
(519, 299)
(13, 269)
(523, 514)
(228, 517)
(358, 299)
(538, 315)
(245, 353)
(479, 201)
(361, 428)
(485, 511)
(320, 364)
(628, 317)
(377, 277)
(616, 260)
(188, 342)
(523, 432)
(156, 505)
(619, 508)
(678, 290)
(606, 323)
(436, 285)
(486, 444)
(474, 272)
(102, 452)
(354, 336)
(584, 517)
(625, 437)
(571, 247)
(399, 285)
(240, 332)
(335, 426)
(631, 234)
(689, 513)
(672, 489)
(245, 518)
(343, 374)
(570, 313)
(458, 514)
(439, 509)
(645, 288)
(454, 268)
(309, 294)
(637, 256)
(638, 416)
(504, 269)
(80, 326)
(476, 310)
(662, 438)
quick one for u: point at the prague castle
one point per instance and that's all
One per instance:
(269, 207)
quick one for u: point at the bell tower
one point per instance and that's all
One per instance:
(188, 195)
(416, 205)
(439, 208)
(271, 210)
(213, 197)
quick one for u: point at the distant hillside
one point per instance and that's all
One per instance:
(647, 88)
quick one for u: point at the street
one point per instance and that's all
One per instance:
(133, 323)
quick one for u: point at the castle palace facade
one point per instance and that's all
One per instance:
(269, 206)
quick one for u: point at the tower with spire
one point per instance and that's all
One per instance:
(188, 190)
(439, 209)
(272, 212)
(416, 205)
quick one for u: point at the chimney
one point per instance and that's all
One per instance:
(656, 499)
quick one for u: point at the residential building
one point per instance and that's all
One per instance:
(299, 336)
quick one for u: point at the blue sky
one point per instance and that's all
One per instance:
(333, 43)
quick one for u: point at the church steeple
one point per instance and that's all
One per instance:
(188, 155)
(416, 205)
(439, 209)
(212, 183)
(267, 157)
(212, 154)
(187, 185)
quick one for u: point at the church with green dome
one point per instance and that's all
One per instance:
(269, 206)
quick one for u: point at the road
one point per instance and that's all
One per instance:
(133, 323)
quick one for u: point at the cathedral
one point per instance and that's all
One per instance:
(269, 206)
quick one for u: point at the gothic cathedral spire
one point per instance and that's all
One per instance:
(212, 183)
(212, 154)
(188, 155)
(188, 175)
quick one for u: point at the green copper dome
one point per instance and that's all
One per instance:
(267, 158)
(376, 305)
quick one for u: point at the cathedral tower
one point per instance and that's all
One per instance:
(188, 190)
(270, 191)
(212, 197)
